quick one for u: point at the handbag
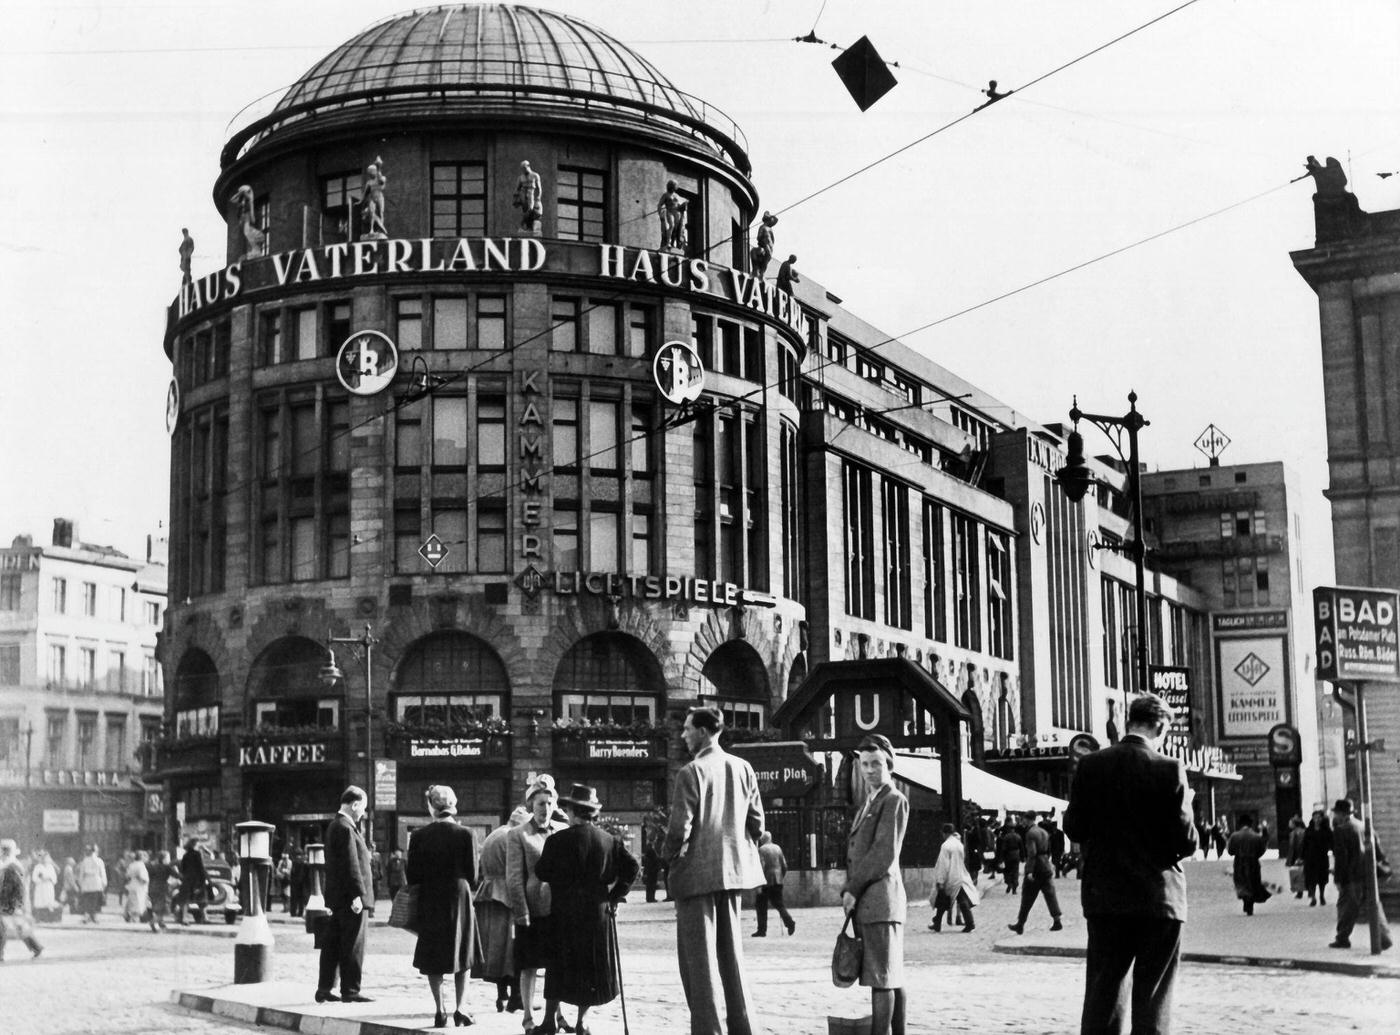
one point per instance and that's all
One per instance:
(847, 956)
(404, 911)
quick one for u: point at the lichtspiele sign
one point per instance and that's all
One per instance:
(1358, 634)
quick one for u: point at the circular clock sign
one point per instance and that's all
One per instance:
(366, 363)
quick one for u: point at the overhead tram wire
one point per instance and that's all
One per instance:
(622, 293)
(623, 445)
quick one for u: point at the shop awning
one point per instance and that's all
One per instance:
(988, 791)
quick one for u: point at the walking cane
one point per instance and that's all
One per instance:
(617, 957)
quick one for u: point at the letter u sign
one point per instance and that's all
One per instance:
(874, 719)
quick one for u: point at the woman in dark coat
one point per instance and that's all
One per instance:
(588, 872)
(442, 862)
(1317, 844)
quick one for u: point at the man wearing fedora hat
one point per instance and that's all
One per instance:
(1349, 856)
(588, 872)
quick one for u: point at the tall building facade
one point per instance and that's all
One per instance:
(81, 697)
(1354, 267)
(1234, 533)
(456, 408)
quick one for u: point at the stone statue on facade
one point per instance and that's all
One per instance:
(245, 213)
(787, 276)
(1337, 213)
(671, 208)
(372, 201)
(186, 254)
(529, 198)
(761, 254)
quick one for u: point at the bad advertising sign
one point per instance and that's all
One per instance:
(1358, 634)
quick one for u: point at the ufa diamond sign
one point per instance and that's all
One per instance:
(1358, 634)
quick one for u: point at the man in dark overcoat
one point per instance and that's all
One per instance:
(1130, 811)
(349, 887)
(1348, 852)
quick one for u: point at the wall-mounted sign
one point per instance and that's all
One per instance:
(446, 747)
(642, 587)
(1252, 674)
(1285, 746)
(618, 750)
(172, 406)
(678, 372)
(433, 550)
(155, 803)
(60, 821)
(1249, 621)
(1173, 685)
(265, 754)
(386, 784)
(785, 768)
(366, 363)
(1358, 634)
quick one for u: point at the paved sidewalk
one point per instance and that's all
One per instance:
(1284, 935)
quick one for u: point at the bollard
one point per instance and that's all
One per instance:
(315, 911)
(252, 949)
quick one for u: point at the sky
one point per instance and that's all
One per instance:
(114, 113)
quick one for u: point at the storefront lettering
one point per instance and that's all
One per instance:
(655, 587)
(532, 466)
(618, 749)
(272, 755)
(1043, 455)
(446, 748)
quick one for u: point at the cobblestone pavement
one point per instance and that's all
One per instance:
(110, 981)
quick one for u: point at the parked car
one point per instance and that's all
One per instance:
(222, 896)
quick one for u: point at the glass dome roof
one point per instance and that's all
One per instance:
(490, 55)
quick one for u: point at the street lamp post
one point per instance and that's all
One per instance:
(29, 753)
(1075, 478)
(330, 675)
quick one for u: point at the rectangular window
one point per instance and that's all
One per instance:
(563, 325)
(565, 539)
(895, 515)
(408, 538)
(491, 431)
(727, 474)
(116, 671)
(564, 432)
(704, 480)
(337, 446)
(449, 323)
(790, 488)
(935, 579)
(90, 599)
(580, 205)
(602, 328)
(602, 437)
(728, 360)
(9, 664)
(60, 596)
(270, 339)
(150, 678)
(306, 455)
(450, 524)
(408, 439)
(1108, 597)
(858, 523)
(303, 535)
(337, 199)
(10, 591)
(603, 534)
(459, 199)
(641, 544)
(87, 741)
(490, 537)
(152, 613)
(449, 431)
(753, 355)
(269, 545)
(490, 322)
(55, 732)
(307, 345)
(639, 333)
(338, 545)
(408, 323)
(999, 611)
(702, 330)
(115, 754)
(640, 439)
(967, 590)
(58, 664)
(87, 667)
(337, 327)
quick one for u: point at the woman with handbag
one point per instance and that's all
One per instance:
(442, 864)
(873, 895)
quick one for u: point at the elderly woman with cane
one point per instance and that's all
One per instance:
(588, 871)
(442, 862)
(874, 890)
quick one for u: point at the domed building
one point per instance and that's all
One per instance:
(503, 397)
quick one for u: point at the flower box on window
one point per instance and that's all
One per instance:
(461, 742)
(609, 743)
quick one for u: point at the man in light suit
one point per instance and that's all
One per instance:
(349, 890)
(1130, 810)
(712, 846)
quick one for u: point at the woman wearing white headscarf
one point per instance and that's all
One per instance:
(442, 862)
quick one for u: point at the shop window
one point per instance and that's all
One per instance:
(735, 680)
(286, 687)
(459, 199)
(580, 204)
(450, 677)
(608, 678)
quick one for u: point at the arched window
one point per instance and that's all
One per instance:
(450, 679)
(735, 680)
(196, 696)
(608, 678)
(286, 689)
